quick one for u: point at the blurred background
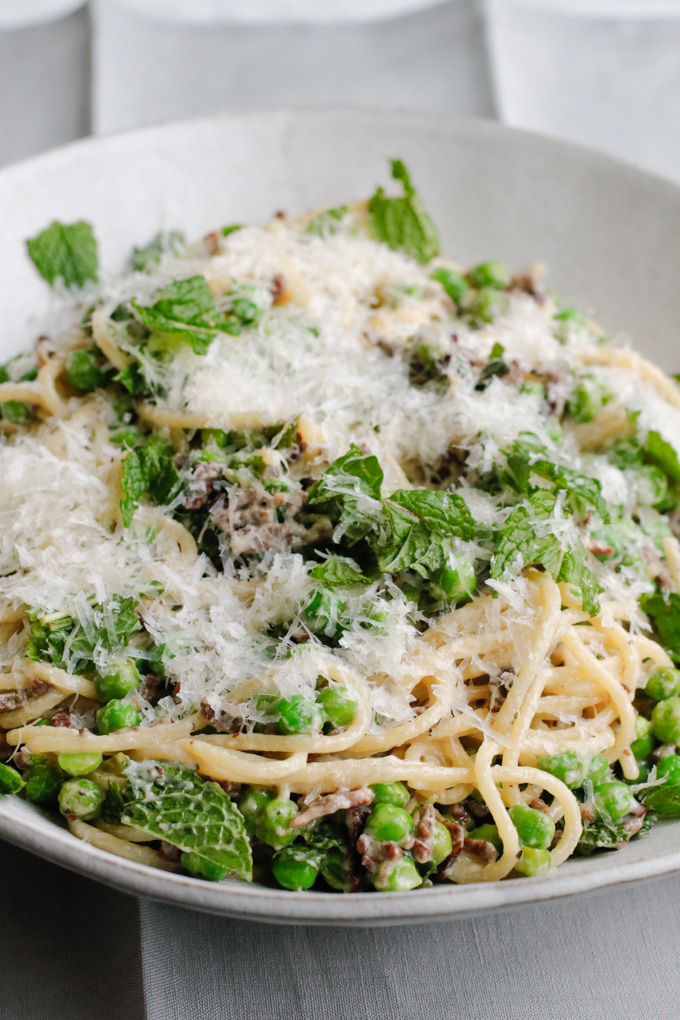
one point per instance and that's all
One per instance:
(605, 73)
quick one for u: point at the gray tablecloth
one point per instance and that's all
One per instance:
(73, 950)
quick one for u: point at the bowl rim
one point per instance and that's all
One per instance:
(27, 828)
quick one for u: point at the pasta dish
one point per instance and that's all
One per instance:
(327, 562)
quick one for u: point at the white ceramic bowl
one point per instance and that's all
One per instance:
(609, 234)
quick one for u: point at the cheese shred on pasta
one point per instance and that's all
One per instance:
(327, 561)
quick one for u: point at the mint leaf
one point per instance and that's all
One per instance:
(575, 570)
(349, 491)
(64, 638)
(173, 803)
(132, 378)
(663, 799)
(664, 612)
(144, 259)
(525, 463)
(601, 835)
(186, 310)
(523, 541)
(663, 455)
(495, 366)
(403, 222)
(67, 252)
(133, 483)
(150, 468)
(443, 512)
(519, 543)
(327, 222)
(337, 572)
(157, 457)
(422, 524)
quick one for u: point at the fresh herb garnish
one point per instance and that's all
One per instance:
(66, 252)
(403, 222)
(172, 803)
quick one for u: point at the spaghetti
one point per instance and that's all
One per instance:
(305, 521)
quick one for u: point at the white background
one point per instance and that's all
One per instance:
(602, 72)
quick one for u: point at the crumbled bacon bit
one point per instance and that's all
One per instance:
(459, 814)
(280, 294)
(226, 716)
(149, 686)
(44, 349)
(329, 803)
(423, 841)
(202, 484)
(598, 547)
(229, 787)
(538, 804)
(481, 848)
(477, 808)
(17, 699)
(168, 852)
(632, 823)
(373, 852)
(457, 833)
(587, 813)
(212, 242)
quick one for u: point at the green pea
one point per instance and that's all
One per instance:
(613, 800)
(643, 744)
(488, 304)
(337, 705)
(567, 766)
(670, 768)
(250, 802)
(43, 782)
(587, 400)
(533, 386)
(82, 798)
(126, 437)
(82, 371)
(246, 310)
(297, 715)
(16, 412)
(201, 867)
(490, 274)
(325, 613)
(294, 868)
(534, 828)
(396, 876)
(117, 680)
(598, 769)
(10, 780)
(489, 833)
(441, 843)
(451, 584)
(390, 793)
(79, 764)
(666, 721)
(455, 284)
(533, 862)
(272, 823)
(117, 716)
(663, 683)
(389, 824)
(216, 436)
